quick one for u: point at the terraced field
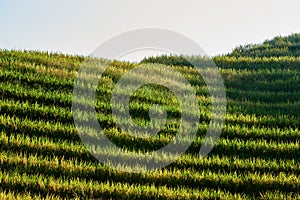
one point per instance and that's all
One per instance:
(42, 156)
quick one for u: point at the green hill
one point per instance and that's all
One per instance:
(42, 156)
(278, 46)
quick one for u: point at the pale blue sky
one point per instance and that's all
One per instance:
(78, 27)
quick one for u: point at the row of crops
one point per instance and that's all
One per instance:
(42, 156)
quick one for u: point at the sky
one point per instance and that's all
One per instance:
(80, 26)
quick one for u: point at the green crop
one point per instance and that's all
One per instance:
(43, 157)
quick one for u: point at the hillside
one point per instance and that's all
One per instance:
(42, 156)
(278, 46)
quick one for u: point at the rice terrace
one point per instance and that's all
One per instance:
(256, 157)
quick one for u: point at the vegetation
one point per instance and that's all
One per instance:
(279, 46)
(256, 157)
